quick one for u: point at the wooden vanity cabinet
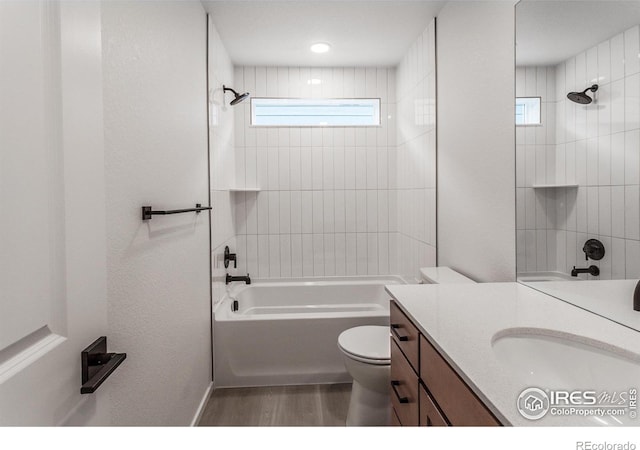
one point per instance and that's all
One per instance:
(425, 389)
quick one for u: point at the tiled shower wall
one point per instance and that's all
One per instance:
(327, 198)
(416, 160)
(597, 146)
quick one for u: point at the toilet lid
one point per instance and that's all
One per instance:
(368, 342)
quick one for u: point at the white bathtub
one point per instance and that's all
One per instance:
(286, 331)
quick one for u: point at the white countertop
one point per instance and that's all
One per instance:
(461, 321)
(611, 299)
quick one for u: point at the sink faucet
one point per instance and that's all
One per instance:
(591, 270)
(230, 279)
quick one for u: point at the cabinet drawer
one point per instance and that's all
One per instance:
(429, 414)
(405, 335)
(404, 388)
(459, 404)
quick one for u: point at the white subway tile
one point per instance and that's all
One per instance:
(617, 211)
(316, 169)
(632, 253)
(318, 212)
(632, 157)
(274, 211)
(618, 259)
(604, 63)
(361, 253)
(361, 211)
(285, 212)
(604, 207)
(617, 57)
(329, 255)
(604, 160)
(631, 51)
(632, 102)
(307, 255)
(351, 253)
(274, 256)
(617, 158)
(296, 255)
(318, 255)
(306, 168)
(328, 174)
(284, 170)
(372, 211)
(617, 106)
(632, 212)
(296, 212)
(263, 256)
(307, 211)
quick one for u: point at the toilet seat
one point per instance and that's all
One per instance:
(368, 344)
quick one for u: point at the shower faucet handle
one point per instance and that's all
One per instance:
(228, 256)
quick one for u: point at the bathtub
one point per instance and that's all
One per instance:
(286, 331)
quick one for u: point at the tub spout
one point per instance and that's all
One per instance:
(230, 279)
(591, 270)
(636, 298)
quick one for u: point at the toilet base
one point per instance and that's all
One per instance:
(368, 408)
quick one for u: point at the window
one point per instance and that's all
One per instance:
(528, 111)
(302, 112)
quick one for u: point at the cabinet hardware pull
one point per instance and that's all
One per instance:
(394, 330)
(394, 384)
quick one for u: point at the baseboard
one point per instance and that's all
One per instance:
(201, 406)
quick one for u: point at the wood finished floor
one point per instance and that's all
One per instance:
(312, 405)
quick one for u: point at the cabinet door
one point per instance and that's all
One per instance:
(404, 388)
(430, 416)
(405, 334)
(450, 392)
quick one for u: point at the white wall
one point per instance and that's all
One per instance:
(416, 166)
(597, 146)
(156, 154)
(327, 204)
(476, 138)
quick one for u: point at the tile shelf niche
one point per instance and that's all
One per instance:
(553, 186)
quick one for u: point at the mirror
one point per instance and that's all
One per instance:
(578, 151)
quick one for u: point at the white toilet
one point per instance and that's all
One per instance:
(366, 352)
(367, 357)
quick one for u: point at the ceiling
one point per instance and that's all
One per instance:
(279, 33)
(549, 32)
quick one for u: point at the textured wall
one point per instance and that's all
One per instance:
(476, 157)
(156, 154)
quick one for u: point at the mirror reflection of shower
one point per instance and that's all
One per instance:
(582, 97)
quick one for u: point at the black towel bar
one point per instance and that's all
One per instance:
(148, 213)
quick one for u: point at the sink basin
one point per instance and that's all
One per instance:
(564, 360)
(552, 360)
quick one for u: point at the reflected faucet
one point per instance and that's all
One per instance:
(591, 270)
(230, 279)
(636, 298)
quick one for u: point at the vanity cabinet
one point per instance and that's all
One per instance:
(425, 389)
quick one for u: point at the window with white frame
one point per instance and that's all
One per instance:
(302, 112)
(528, 111)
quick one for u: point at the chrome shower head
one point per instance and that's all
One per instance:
(582, 97)
(238, 97)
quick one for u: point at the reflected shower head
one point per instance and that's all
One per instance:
(582, 97)
(238, 97)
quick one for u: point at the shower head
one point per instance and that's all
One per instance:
(238, 97)
(582, 97)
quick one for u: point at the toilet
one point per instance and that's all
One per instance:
(366, 353)
(367, 356)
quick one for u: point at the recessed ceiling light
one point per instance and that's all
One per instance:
(314, 81)
(320, 47)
